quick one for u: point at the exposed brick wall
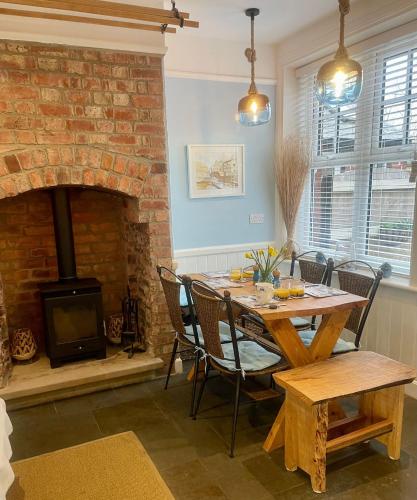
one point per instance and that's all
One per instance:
(86, 117)
(28, 255)
(100, 243)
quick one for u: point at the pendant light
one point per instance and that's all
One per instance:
(339, 81)
(254, 109)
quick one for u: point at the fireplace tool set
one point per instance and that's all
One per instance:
(132, 339)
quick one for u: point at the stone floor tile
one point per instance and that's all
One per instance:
(86, 403)
(192, 456)
(53, 433)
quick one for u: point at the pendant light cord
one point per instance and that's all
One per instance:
(252, 46)
(344, 9)
(251, 55)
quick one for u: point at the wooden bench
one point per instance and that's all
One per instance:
(309, 435)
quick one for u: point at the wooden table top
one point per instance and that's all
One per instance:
(326, 380)
(305, 306)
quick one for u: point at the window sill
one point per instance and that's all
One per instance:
(399, 283)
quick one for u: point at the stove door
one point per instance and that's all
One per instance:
(74, 324)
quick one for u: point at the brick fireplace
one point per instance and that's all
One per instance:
(91, 120)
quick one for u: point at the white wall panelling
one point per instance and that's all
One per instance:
(219, 258)
(392, 327)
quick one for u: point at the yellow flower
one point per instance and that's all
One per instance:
(272, 251)
(261, 252)
(249, 255)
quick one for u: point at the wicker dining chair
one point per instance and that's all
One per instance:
(186, 335)
(246, 358)
(313, 272)
(177, 289)
(358, 284)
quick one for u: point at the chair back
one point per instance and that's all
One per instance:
(362, 285)
(209, 306)
(310, 270)
(171, 285)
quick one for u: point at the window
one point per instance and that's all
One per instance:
(336, 130)
(398, 115)
(331, 205)
(390, 215)
(361, 188)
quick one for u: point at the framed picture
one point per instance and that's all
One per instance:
(216, 170)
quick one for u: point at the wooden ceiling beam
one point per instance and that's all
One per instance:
(113, 9)
(84, 20)
(116, 6)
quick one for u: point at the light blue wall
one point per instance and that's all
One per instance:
(203, 112)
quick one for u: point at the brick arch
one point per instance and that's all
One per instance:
(93, 118)
(38, 168)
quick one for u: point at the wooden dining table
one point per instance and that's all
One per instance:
(334, 311)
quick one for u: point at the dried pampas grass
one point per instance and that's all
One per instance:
(291, 171)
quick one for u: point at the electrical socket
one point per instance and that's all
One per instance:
(256, 218)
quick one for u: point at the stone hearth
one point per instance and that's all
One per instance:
(92, 120)
(37, 383)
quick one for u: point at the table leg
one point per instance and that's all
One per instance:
(287, 338)
(190, 375)
(328, 334)
(276, 436)
(386, 403)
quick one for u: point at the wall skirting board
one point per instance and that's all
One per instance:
(216, 258)
(391, 328)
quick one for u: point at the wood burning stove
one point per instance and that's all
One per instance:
(72, 307)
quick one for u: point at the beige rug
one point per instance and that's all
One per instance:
(113, 468)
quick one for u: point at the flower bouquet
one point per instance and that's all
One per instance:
(267, 261)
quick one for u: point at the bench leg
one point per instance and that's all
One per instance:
(305, 440)
(386, 403)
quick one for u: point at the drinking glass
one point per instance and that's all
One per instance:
(284, 291)
(236, 274)
(297, 288)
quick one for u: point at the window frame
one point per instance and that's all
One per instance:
(367, 153)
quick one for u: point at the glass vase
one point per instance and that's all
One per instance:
(265, 277)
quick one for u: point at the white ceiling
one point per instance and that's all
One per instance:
(219, 20)
(225, 19)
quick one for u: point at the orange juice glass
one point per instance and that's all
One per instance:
(298, 288)
(235, 274)
(282, 293)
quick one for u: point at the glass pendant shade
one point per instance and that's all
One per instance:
(339, 82)
(254, 109)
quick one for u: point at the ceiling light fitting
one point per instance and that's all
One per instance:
(339, 81)
(254, 109)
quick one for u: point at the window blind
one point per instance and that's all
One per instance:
(360, 196)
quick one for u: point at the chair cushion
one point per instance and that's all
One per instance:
(253, 357)
(224, 331)
(300, 322)
(307, 337)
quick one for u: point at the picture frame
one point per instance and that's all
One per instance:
(216, 170)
